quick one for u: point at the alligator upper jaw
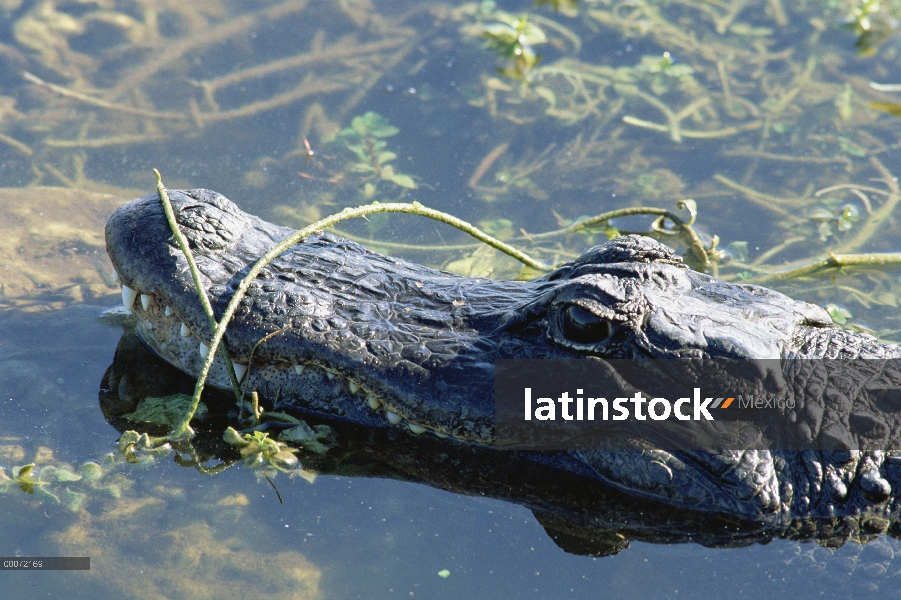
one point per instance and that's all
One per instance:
(358, 335)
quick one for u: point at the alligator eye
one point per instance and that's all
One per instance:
(583, 326)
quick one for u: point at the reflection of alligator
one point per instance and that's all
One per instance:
(379, 341)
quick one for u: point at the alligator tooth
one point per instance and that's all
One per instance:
(298, 369)
(183, 332)
(440, 435)
(373, 403)
(128, 296)
(330, 375)
(116, 279)
(417, 429)
(240, 369)
(353, 387)
(393, 418)
(168, 312)
(145, 300)
(204, 349)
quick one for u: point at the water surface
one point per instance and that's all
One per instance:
(766, 114)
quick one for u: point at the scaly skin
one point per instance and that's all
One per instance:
(383, 342)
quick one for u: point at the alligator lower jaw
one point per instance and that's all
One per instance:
(168, 336)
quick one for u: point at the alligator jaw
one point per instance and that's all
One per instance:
(374, 370)
(163, 331)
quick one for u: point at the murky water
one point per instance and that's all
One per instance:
(761, 112)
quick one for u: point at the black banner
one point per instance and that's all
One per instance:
(698, 404)
(45, 563)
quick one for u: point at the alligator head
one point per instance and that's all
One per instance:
(384, 342)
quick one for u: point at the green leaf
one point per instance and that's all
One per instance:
(499, 228)
(23, 473)
(361, 153)
(821, 214)
(233, 438)
(839, 315)
(42, 493)
(404, 181)
(168, 411)
(91, 471)
(358, 124)
(373, 124)
(298, 434)
(285, 459)
(57, 475)
(318, 439)
(73, 500)
(547, 94)
(892, 108)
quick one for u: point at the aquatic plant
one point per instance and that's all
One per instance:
(259, 450)
(513, 38)
(365, 140)
(60, 484)
(872, 23)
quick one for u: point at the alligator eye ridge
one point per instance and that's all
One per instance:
(583, 326)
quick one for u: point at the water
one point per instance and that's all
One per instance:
(781, 140)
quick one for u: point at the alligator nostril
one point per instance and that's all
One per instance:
(583, 326)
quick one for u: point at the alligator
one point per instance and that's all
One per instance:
(384, 343)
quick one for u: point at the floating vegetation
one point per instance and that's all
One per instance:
(773, 123)
(259, 450)
(61, 484)
(165, 411)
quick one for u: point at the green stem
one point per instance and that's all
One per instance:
(834, 261)
(195, 275)
(615, 214)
